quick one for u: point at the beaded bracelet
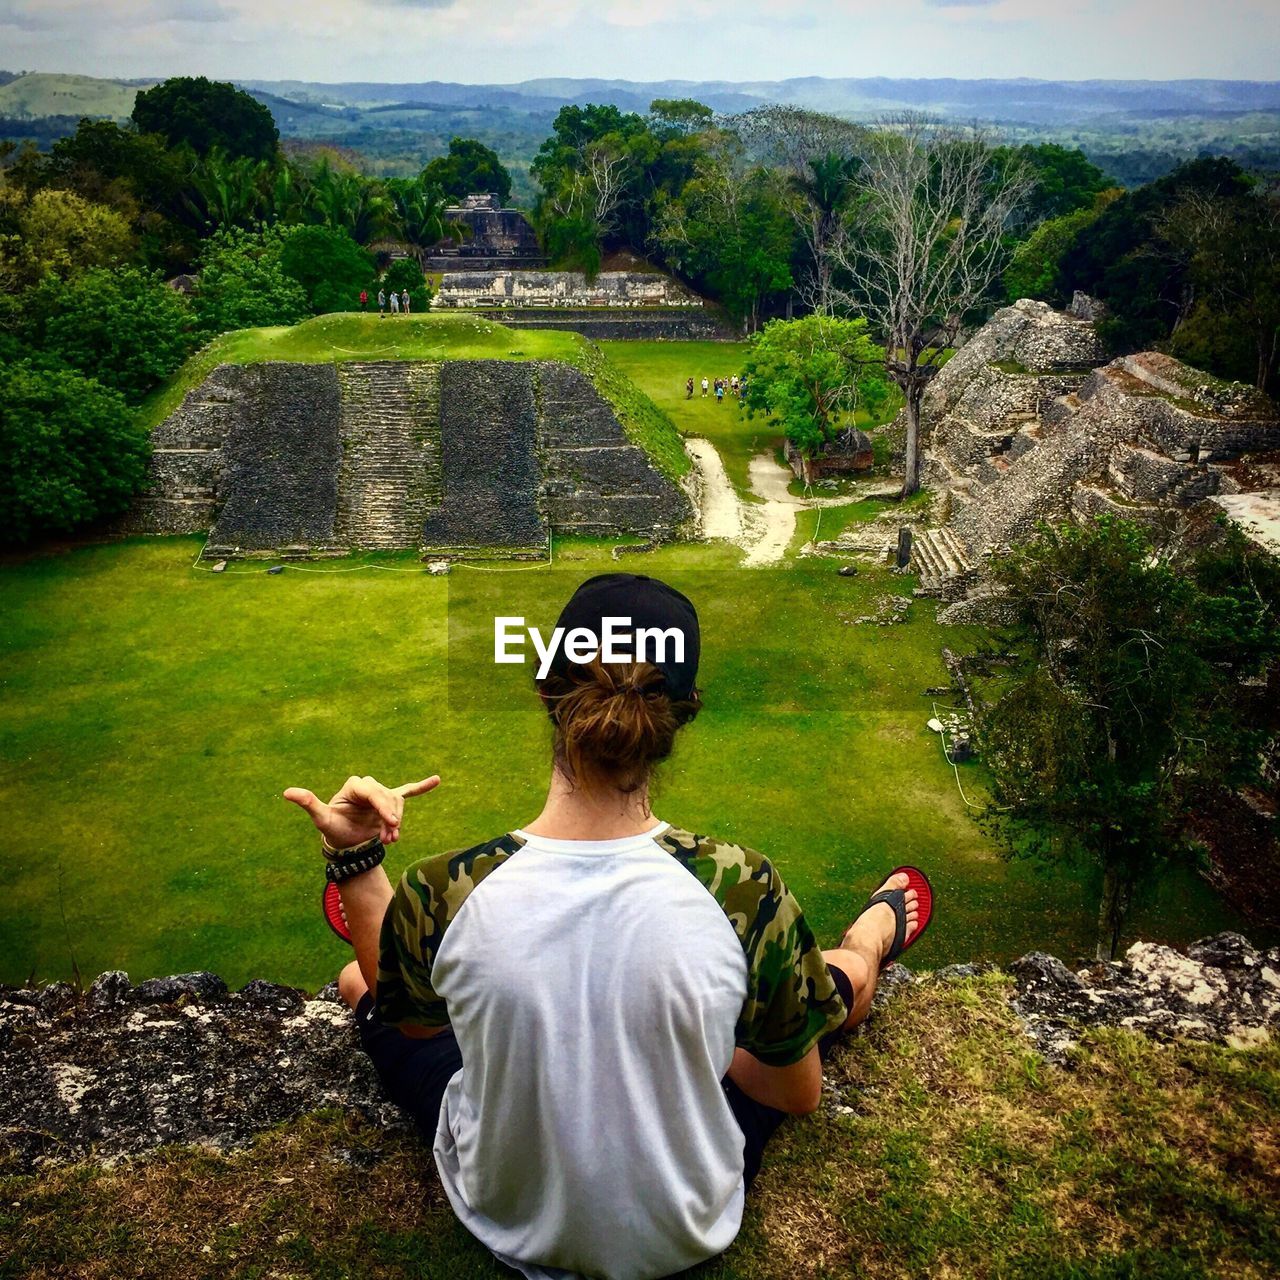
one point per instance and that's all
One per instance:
(342, 864)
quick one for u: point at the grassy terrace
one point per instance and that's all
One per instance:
(958, 1153)
(434, 336)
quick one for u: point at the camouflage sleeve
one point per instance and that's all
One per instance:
(425, 901)
(791, 999)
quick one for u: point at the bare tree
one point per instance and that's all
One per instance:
(921, 245)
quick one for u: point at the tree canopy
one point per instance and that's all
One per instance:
(207, 115)
(469, 167)
(1125, 689)
(811, 376)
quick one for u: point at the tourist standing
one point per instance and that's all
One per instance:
(688, 389)
(404, 302)
(704, 388)
(719, 391)
(395, 303)
(364, 299)
(382, 304)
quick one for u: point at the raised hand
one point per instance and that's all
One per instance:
(364, 808)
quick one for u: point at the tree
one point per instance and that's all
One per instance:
(822, 196)
(1232, 249)
(922, 243)
(342, 198)
(56, 233)
(405, 273)
(73, 452)
(1035, 269)
(1123, 259)
(592, 171)
(470, 167)
(207, 115)
(329, 265)
(810, 376)
(1124, 694)
(420, 207)
(123, 326)
(243, 283)
(679, 117)
(730, 230)
(229, 191)
(1065, 179)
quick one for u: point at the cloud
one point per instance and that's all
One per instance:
(25, 17)
(961, 4)
(191, 11)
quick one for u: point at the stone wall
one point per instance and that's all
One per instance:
(645, 324)
(488, 440)
(301, 459)
(596, 481)
(280, 460)
(562, 289)
(124, 1069)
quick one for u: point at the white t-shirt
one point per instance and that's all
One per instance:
(597, 990)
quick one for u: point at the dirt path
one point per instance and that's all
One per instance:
(763, 530)
(721, 513)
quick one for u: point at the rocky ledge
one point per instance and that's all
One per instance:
(124, 1069)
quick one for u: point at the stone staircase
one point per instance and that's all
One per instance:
(941, 560)
(390, 475)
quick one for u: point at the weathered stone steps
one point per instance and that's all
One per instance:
(390, 432)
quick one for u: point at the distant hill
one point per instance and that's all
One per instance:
(39, 93)
(1136, 130)
(1014, 101)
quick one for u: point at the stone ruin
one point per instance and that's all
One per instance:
(1031, 420)
(613, 304)
(488, 236)
(124, 1069)
(563, 289)
(288, 459)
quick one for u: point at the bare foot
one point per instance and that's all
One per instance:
(871, 934)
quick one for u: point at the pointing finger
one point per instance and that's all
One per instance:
(418, 788)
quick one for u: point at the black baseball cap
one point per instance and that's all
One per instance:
(648, 603)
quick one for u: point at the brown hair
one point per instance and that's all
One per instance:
(613, 721)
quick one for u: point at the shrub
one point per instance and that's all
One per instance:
(123, 326)
(71, 448)
(243, 283)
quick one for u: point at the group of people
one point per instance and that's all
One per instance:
(399, 301)
(733, 385)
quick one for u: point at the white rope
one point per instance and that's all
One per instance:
(942, 738)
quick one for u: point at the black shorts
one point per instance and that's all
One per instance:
(415, 1072)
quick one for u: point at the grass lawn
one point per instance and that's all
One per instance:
(957, 1153)
(152, 713)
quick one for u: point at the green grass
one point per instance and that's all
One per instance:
(959, 1154)
(152, 713)
(41, 93)
(660, 370)
(433, 336)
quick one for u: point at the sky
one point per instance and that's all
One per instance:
(502, 41)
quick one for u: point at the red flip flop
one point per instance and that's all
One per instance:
(897, 900)
(331, 903)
